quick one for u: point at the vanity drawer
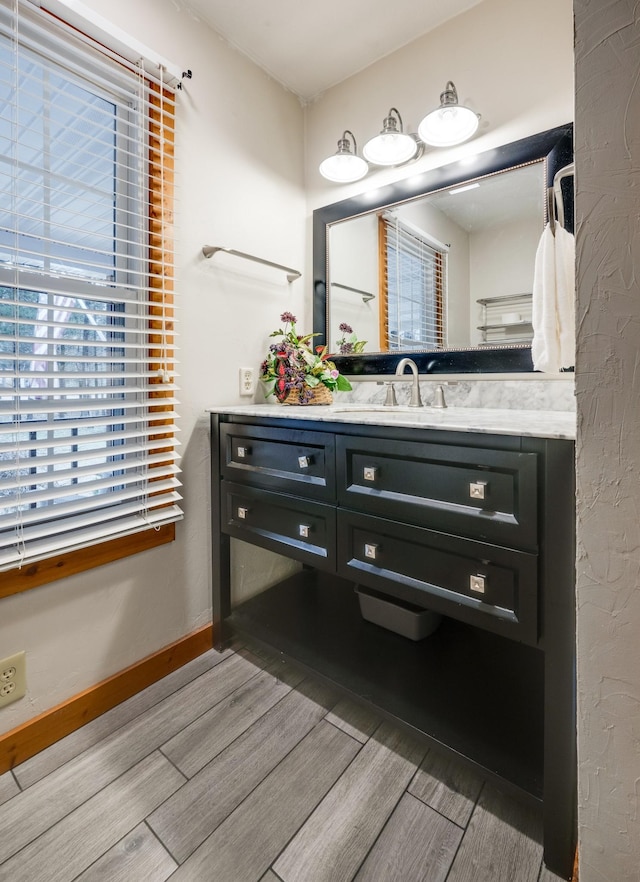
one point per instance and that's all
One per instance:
(485, 494)
(288, 525)
(485, 585)
(285, 460)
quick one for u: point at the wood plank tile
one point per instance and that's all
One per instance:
(417, 845)
(31, 812)
(354, 719)
(82, 739)
(270, 876)
(244, 846)
(136, 857)
(502, 842)
(186, 819)
(335, 840)
(8, 787)
(196, 745)
(79, 839)
(447, 786)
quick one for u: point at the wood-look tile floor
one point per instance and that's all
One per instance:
(236, 768)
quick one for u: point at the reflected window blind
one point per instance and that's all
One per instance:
(87, 395)
(413, 282)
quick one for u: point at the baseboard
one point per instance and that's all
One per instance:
(33, 736)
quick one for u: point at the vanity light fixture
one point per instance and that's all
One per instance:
(451, 123)
(345, 165)
(390, 147)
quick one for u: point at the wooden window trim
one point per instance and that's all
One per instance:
(383, 295)
(62, 565)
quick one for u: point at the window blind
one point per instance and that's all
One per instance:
(88, 446)
(413, 281)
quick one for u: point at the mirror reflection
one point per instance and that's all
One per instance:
(452, 269)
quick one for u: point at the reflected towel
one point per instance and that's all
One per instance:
(553, 318)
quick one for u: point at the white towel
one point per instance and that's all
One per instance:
(553, 319)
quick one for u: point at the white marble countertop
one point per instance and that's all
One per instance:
(492, 421)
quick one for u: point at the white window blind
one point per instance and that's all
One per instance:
(87, 395)
(414, 283)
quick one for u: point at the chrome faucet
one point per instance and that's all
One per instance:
(416, 400)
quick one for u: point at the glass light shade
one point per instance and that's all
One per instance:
(342, 168)
(450, 124)
(345, 165)
(390, 148)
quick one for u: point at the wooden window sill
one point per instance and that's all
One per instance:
(59, 567)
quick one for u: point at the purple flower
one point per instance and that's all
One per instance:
(288, 317)
(346, 348)
(335, 374)
(345, 328)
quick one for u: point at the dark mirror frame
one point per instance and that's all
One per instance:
(554, 145)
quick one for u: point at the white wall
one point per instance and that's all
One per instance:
(502, 263)
(348, 243)
(608, 448)
(236, 189)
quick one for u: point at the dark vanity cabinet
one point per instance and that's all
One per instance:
(478, 528)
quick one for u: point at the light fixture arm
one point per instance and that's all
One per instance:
(450, 94)
(344, 146)
(390, 125)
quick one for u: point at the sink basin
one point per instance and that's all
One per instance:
(378, 409)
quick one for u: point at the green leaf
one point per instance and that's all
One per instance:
(342, 384)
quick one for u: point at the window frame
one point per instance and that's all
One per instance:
(438, 307)
(160, 193)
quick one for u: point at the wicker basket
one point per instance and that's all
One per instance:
(318, 395)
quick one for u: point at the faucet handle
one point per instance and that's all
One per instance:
(390, 398)
(439, 397)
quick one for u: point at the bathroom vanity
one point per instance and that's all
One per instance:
(466, 513)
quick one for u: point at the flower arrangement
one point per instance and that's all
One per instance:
(292, 365)
(349, 343)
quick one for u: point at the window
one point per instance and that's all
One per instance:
(413, 281)
(87, 441)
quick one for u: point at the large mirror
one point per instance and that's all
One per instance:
(439, 266)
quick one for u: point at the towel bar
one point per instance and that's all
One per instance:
(210, 250)
(366, 295)
(555, 192)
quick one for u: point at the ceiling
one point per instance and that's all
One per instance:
(309, 47)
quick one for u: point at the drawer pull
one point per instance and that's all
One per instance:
(304, 462)
(478, 489)
(371, 550)
(304, 530)
(370, 473)
(477, 584)
(242, 512)
(243, 452)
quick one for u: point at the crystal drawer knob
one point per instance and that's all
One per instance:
(371, 551)
(242, 513)
(304, 462)
(477, 584)
(304, 530)
(243, 452)
(370, 473)
(478, 489)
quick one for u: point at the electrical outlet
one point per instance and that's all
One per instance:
(246, 381)
(13, 678)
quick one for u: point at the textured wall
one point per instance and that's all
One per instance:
(608, 462)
